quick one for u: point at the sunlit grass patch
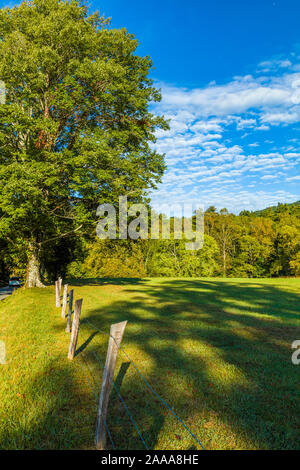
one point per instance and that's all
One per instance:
(218, 351)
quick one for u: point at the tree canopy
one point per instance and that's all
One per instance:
(75, 129)
(251, 244)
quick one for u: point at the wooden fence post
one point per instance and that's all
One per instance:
(57, 292)
(60, 283)
(68, 328)
(75, 329)
(65, 299)
(116, 332)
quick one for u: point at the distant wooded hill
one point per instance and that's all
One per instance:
(280, 207)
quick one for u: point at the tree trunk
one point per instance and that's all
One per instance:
(224, 263)
(33, 278)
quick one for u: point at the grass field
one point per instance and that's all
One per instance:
(218, 351)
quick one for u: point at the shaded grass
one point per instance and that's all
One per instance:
(218, 351)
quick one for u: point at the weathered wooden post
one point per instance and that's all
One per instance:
(68, 328)
(75, 329)
(65, 299)
(60, 283)
(57, 291)
(116, 336)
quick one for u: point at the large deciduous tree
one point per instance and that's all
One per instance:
(75, 129)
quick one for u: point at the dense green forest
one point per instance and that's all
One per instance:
(251, 244)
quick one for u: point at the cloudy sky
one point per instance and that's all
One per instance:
(230, 78)
(234, 145)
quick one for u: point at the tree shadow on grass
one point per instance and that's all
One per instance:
(220, 353)
(53, 412)
(152, 428)
(103, 281)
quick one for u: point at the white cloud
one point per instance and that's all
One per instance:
(235, 200)
(281, 117)
(214, 127)
(254, 144)
(275, 64)
(268, 177)
(293, 178)
(274, 99)
(263, 127)
(243, 123)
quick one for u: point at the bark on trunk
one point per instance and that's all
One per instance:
(224, 263)
(33, 268)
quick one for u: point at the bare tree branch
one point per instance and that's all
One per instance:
(62, 235)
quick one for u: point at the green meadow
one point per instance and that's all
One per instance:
(218, 351)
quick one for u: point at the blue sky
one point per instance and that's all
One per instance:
(230, 78)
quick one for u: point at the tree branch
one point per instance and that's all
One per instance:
(62, 235)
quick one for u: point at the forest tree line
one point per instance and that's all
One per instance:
(251, 244)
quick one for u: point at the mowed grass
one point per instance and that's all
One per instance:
(218, 351)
